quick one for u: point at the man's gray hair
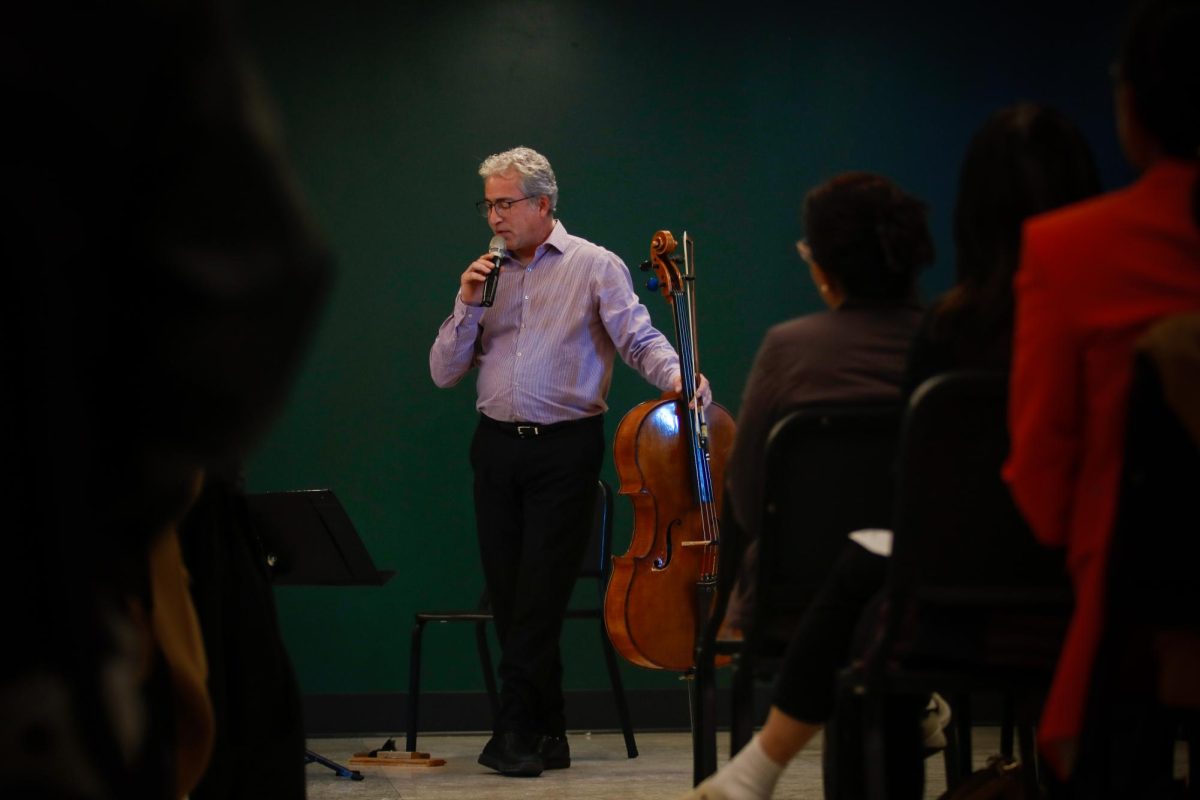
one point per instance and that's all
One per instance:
(537, 177)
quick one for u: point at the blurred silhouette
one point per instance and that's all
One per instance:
(1093, 277)
(163, 279)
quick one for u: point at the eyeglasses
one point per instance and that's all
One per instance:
(804, 250)
(484, 207)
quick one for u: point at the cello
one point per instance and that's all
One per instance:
(671, 460)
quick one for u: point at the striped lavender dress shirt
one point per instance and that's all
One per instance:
(545, 348)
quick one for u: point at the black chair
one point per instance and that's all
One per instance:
(972, 604)
(1145, 689)
(828, 472)
(597, 564)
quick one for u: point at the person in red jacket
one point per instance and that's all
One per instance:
(1093, 277)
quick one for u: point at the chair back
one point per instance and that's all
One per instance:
(828, 472)
(1155, 546)
(597, 558)
(972, 603)
(959, 538)
(1151, 644)
(1143, 691)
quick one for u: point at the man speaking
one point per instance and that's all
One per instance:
(562, 307)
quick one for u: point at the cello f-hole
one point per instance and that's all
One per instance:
(662, 562)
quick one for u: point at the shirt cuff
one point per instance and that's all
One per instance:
(464, 312)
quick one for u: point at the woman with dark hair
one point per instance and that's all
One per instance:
(1026, 159)
(867, 241)
(1023, 160)
(1093, 278)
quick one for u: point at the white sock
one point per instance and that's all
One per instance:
(750, 775)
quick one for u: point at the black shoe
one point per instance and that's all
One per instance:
(555, 752)
(513, 754)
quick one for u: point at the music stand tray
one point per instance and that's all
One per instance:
(310, 541)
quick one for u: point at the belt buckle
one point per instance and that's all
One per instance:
(526, 431)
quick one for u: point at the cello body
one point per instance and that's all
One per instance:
(650, 607)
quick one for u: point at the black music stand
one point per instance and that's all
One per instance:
(310, 541)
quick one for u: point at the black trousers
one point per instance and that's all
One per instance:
(822, 644)
(534, 501)
(838, 624)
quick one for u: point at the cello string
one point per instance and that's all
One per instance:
(709, 522)
(708, 509)
(689, 367)
(689, 364)
(701, 469)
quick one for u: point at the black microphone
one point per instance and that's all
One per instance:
(495, 248)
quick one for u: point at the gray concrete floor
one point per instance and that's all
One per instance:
(599, 769)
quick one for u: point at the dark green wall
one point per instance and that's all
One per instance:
(705, 117)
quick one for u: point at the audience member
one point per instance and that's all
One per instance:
(163, 278)
(1093, 277)
(1024, 160)
(866, 240)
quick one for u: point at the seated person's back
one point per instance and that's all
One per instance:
(866, 240)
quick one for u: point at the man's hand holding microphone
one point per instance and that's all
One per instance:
(477, 286)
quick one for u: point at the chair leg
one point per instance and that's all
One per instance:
(703, 752)
(614, 678)
(414, 685)
(1029, 761)
(489, 674)
(951, 757)
(741, 695)
(702, 691)
(874, 746)
(1192, 727)
(1007, 722)
(965, 720)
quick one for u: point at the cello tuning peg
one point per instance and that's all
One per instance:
(653, 284)
(676, 260)
(644, 266)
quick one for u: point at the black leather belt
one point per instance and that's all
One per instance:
(533, 430)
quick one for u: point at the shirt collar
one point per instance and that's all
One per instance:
(558, 238)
